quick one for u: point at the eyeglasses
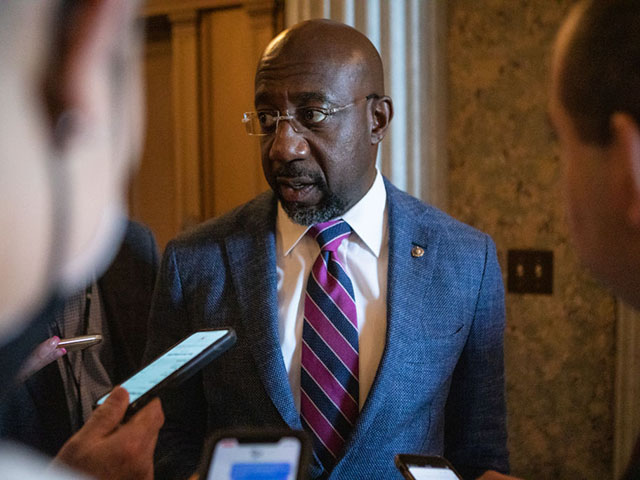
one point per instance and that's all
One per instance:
(265, 122)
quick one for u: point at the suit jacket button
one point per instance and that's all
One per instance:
(417, 251)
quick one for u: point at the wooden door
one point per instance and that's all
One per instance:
(199, 63)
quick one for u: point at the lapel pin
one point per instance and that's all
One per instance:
(417, 251)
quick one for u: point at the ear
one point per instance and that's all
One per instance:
(381, 118)
(84, 41)
(626, 146)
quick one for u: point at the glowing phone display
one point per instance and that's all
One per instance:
(432, 473)
(179, 362)
(255, 461)
(425, 467)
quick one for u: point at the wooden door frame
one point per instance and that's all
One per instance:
(193, 187)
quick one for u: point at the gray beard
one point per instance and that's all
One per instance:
(332, 206)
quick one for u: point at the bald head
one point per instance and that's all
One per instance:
(328, 42)
(319, 98)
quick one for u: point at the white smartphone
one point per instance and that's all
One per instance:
(176, 365)
(425, 467)
(257, 454)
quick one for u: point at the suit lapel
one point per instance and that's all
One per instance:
(252, 262)
(408, 277)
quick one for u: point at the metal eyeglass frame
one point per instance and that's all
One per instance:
(250, 118)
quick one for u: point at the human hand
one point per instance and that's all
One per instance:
(42, 355)
(107, 449)
(493, 475)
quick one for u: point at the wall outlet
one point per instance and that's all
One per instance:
(530, 271)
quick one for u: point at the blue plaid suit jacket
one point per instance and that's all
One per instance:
(439, 388)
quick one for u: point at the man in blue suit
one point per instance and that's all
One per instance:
(428, 289)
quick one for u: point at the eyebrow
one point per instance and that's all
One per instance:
(301, 98)
(306, 97)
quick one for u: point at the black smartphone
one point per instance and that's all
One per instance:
(426, 467)
(257, 454)
(73, 344)
(176, 365)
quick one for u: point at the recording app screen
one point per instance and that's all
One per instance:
(232, 460)
(161, 368)
(432, 473)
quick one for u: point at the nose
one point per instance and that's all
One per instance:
(287, 144)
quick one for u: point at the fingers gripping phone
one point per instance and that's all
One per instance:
(425, 467)
(257, 454)
(176, 365)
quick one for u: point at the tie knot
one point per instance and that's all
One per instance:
(329, 235)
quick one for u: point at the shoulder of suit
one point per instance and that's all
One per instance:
(431, 217)
(137, 250)
(251, 218)
(138, 233)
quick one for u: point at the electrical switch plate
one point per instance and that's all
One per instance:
(530, 271)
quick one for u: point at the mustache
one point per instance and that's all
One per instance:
(294, 169)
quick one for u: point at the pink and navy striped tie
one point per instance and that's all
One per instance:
(329, 375)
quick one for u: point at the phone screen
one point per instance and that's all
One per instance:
(168, 363)
(234, 460)
(432, 473)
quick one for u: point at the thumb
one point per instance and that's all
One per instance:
(107, 417)
(151, 416)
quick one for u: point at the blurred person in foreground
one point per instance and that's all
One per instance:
(70, 129)
(56, 388)
(595, 111)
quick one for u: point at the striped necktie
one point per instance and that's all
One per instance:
(329, 373)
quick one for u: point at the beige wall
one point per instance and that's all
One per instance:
(505, 179)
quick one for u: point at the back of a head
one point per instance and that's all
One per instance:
(601, 67)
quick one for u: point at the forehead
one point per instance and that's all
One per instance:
(298, 79)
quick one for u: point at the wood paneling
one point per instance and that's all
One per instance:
(199, 65)
(233, 172)
(186, 122)
(168, 7)
(153, 191)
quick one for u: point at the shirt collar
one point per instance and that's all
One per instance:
(369, 227)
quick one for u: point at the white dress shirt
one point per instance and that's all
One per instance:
(366, 256)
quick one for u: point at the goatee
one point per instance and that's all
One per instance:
(330, 206)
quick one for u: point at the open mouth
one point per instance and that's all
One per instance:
(294, 182)
(296, 189)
